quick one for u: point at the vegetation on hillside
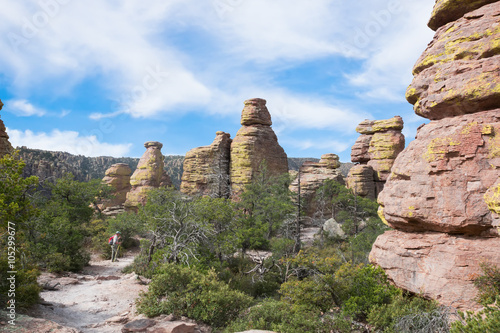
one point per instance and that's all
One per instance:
(200, 253)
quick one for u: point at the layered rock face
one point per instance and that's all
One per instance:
(206, 169)
(443, 195)
(375, 150)
(5, 146)
(255, 143)
(118, 177)
(312, 176)
(147, 176)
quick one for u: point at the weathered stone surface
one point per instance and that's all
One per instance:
(206, 169)
(359, 152)
(333, 229)
(458, 72)
(442, 194)
(439, 181)
(255, 113)
(312, 176)
(361, 180)
(139, 325)
(378, 146)
(147, 176)
(5, 146)
(165, 180)
(118, 177)
(373, 126)
(435, 265)
(254, 144)
(446, 11)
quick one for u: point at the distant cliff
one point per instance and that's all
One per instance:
(46, 164)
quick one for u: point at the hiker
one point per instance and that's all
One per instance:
(115, 242)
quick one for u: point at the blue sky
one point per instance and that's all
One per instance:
(101, 77)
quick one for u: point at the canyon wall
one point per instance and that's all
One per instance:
(5, 146)
(442, 197)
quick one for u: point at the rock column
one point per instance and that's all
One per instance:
(375, 150)
(255, 143)
(206, 169)
(118, 177)
(442, 197)
(5, 146)
(147, 176)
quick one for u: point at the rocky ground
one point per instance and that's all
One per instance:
(100, 299)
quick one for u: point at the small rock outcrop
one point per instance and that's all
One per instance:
(5, 146)
(375, 150)
(255, 143)
(206, 169)
(312, 176)
(118, 177)
(442, 197)
(147, 176)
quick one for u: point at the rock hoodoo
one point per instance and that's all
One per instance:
(148, 175)
(442, 196)
(312, 176)
(5, 146)
(255, 143)
(206, 169)
(118, 177)
(375, 150)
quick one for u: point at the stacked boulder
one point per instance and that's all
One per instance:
(443, 198)
(254, 144)
(148, 175)
(226, 166)
(312, 176)
(118, 177)
(206, 169)
(375, 150)
(5, 146)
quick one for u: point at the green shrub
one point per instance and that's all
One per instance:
(488, 284)
(384, 317)
(187, 292)
(279, 317)
(485, 321)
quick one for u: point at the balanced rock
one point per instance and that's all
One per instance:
(458, 72)
(378, 146)
(254, 144)
(442, 195)
(5, 146)
(206, 169)
(312, 176)
(147, 176)
(446, 11)
(118, 177)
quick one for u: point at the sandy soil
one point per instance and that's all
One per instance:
(87, 301)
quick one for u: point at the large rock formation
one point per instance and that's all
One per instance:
(312, 176)
(255, 143)
(443, 195)
(5, 146)
(375, 150)
(206, 169)
(147, 176)
(118, 177)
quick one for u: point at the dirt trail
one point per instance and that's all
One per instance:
(86, 301)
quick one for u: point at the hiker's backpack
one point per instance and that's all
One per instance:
(110, 240)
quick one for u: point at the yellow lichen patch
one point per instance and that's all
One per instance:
(494, 146)
(438, 148)
(467, 128)
(380, 213)
(487, 130)
(492, 198)
(411, 211)
(411, 95)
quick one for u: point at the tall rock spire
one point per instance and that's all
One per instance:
(441, 197)
(5, 146)
(254, 144)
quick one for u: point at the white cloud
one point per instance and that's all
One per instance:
(68, 141)
(23, 108)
